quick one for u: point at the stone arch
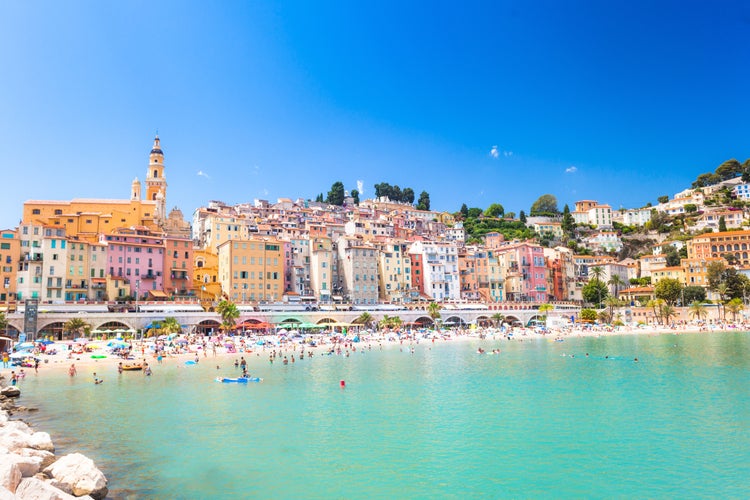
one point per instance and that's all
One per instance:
(207, 327)
(423, 321)
(454, 321)
(512, 319)
(53, 330)
(483, 320)
(326, 320)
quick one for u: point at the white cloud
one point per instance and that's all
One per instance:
(360, 187)
(264, 192)
(256, 169)
(496, 152)
(571, 170)
(201, 173)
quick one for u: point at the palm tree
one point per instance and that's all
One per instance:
(364, 319)
(77, 327)
(170, 325)
(722, 289)
(498, 318)
(667, 312)
(229, 313)
(616, 282)
(433, 309)
(697, 309)
(596, 273)
(612, 302)
(654, 304)
(735, 305)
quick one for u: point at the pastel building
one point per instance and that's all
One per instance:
(10, 247)
(135, 258)
(525, 272)
(439, 260)
(89, 217)
(252, 270)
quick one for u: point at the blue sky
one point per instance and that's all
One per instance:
(474, 102)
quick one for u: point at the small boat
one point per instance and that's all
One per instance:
(131, 367)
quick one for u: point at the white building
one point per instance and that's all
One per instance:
(440, 269)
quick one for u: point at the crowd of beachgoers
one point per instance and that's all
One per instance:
(87, 355)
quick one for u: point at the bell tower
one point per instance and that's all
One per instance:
(156, 183)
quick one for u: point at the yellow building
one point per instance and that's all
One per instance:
(206, 277)
(673, 272)
(252, 270)
(89, 217)
(10, 249)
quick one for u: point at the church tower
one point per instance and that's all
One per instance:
(135, 190)
(156, 183)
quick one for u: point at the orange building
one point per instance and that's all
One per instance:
(729, 245)
(89, 217)
(252, 270)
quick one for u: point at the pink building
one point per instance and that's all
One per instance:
(525, 272)
(178, 267)
(137, 256)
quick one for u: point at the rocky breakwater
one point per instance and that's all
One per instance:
(29, 467)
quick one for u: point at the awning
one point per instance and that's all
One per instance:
(158, 293)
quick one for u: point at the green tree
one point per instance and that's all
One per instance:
(474, 212)
(545, 204)
(663, 199)
(464, 211)
(715, 274)
(229, 313)
(697, 309)
(365, 319)
(319, 198)
(691, 208)
(612, 303)
(424, 201)
(595, 292)
(407, 196)
(522, 217)
(694, 294)
(588, 315)
(734, 306)
(497, 319)
(545, 308)
(672, 257)
(722, 224)
(668, 289)
(667, 312)
(3, 322)
(169, 326)
(355, 196)
(494, 210)
(617, 282)
(433, 309)
(336, 195)
(77, 326)
(568, 222)
(729, 169)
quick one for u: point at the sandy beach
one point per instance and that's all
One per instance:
(190, 348)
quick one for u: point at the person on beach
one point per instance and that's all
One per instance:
(72, 370)
(13, 378)
(36, 365)
(119, 367)
(6, 358)
(97, 380)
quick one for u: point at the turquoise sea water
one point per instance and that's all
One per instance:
(442, 422)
